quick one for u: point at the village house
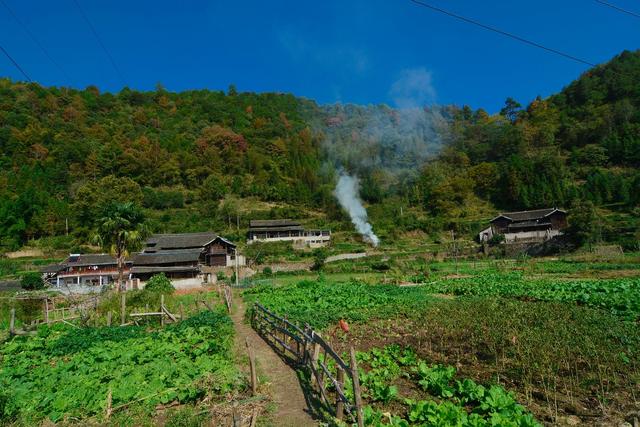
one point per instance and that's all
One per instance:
(526, 226)
(277, 230)
(84, 270)
(186, 257)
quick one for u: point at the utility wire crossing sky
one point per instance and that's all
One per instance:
(361, 51)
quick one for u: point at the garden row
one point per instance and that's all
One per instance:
(619, 296)
(560, 357)
(65, 372)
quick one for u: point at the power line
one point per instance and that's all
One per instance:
(618, 8)
(15, 63)
(504, 33)
(33, 38)
(102, 45)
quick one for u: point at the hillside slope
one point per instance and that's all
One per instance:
(192, 158)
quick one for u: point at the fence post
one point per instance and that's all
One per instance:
(252, 367)
(123, 308)
(356, 387)
(181, 312)
(46, 309)
(314, 362)
(109, 318)
(162, 310)
(12, 322)
(109, 402)
(285, 337)
(339, 402)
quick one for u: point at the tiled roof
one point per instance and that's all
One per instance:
(82, 260)
(167, 257)
(263, 223)
(51, 268)
(179, 241)
(258, 229)
(528, 215)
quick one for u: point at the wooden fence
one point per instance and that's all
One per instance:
(87, 308)
(53, 310)
(228, 296)
(306, 348)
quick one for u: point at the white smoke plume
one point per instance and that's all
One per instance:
(346, 192)
(392, 142)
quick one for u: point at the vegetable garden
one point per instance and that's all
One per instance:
(563, 347)
(68, 373)
(431, 394)
(619, 296)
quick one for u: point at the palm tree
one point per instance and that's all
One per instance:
(120, 231)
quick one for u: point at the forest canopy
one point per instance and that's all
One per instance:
(65, 152)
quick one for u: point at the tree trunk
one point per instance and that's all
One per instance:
(121, 285)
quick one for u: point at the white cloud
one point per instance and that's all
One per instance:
(413, 89)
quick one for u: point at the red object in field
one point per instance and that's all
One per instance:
(343, 325)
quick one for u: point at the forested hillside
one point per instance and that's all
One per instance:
(65, 152)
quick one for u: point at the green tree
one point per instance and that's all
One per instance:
(92, 197)
(319, 258)
(213, 188)
(584, 223)
(511, 110)
(159, 284)
(31, 281)
(121, 230)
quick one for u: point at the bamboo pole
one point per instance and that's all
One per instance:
(12, 322)
(252, 368)
(339, 402)
(356, 387)
(109, 403)
(254, 417)
(314, 363)
(162, 310)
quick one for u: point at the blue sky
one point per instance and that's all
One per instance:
(360, 51)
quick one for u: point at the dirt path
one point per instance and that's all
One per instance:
(284, 387)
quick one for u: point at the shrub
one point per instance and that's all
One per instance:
(8, 410)
(221, 276)
(319, 257)
(31, 281)
(496, 239)
(8, 267)
(159, 283)
(381, 266)
(267, 271)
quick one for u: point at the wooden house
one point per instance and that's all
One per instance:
(275, 230)
(182, 256)
(214, 250)
(84, 270)
(534, 225)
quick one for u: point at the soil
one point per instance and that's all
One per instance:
(291, 409)
(579, 404)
